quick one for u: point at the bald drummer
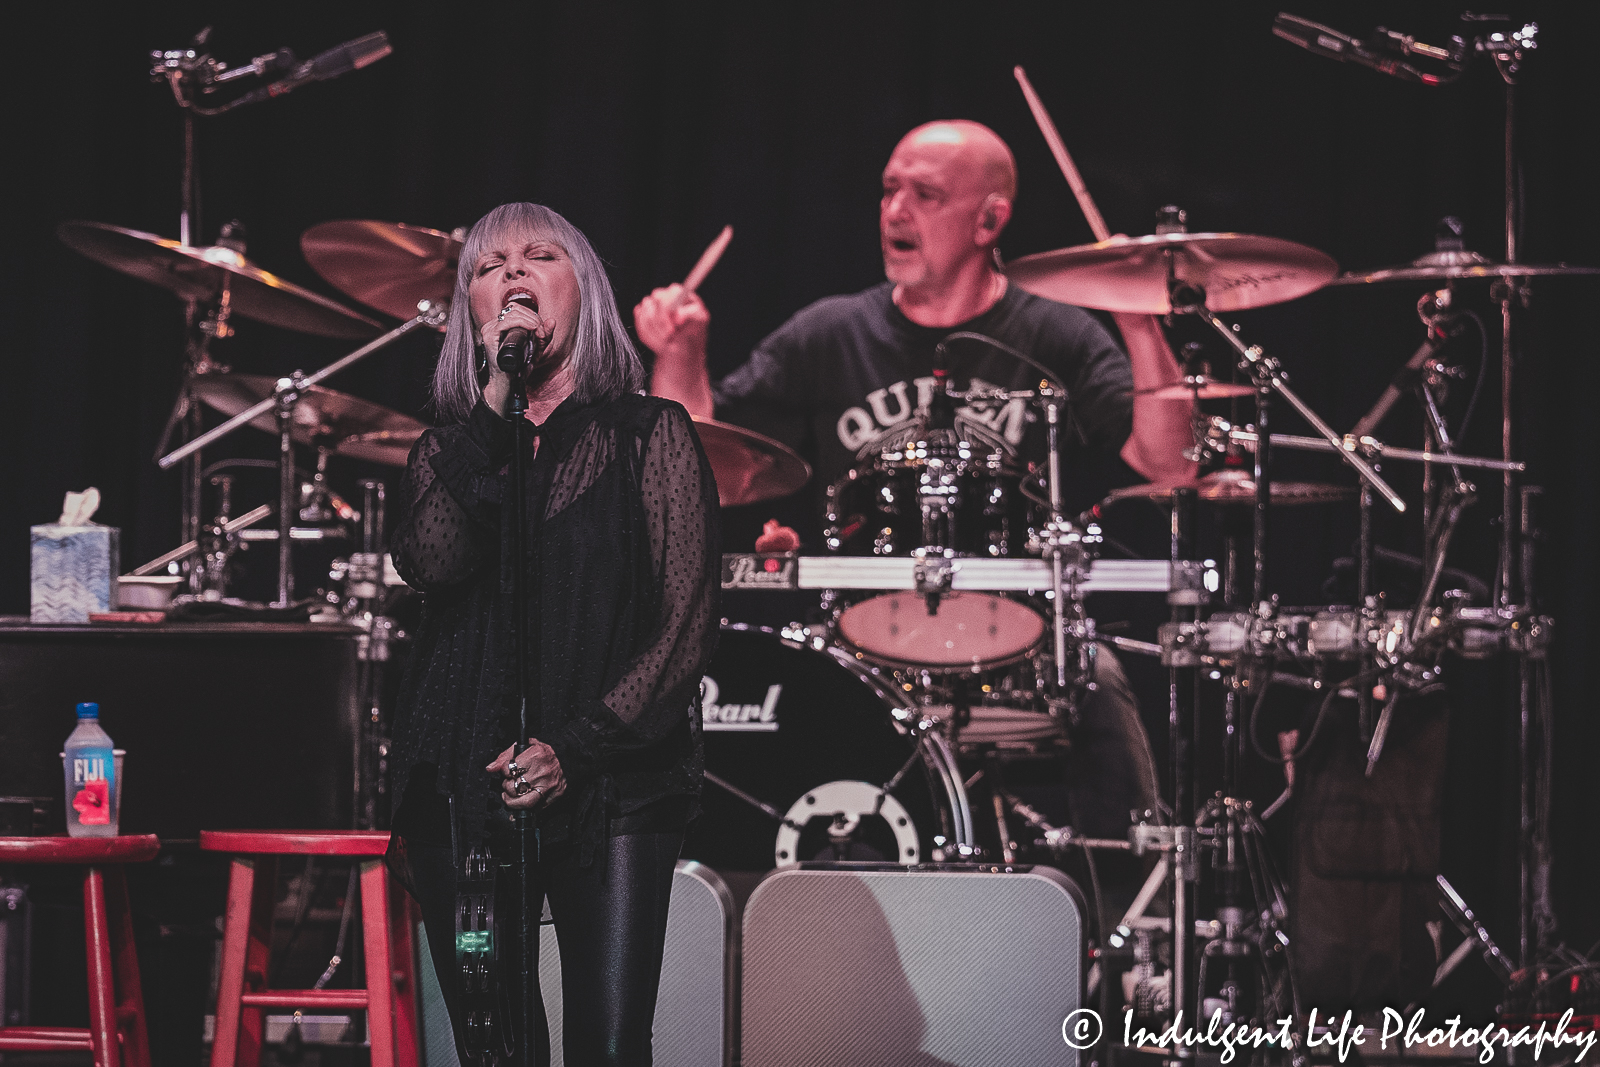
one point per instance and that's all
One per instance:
(850, 375)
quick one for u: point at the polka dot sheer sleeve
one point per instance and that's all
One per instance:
(659, 685)
(449, 526)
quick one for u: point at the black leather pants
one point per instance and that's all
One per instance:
(610, 919)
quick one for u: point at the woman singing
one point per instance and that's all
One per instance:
(621, 563)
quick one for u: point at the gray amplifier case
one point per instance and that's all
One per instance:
(969, 966)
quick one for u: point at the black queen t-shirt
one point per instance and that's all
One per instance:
(849, 376)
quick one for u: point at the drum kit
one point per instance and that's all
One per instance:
(954, 612)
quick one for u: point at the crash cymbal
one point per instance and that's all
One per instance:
(338, 421)
(389, 447)
(1237, 487)
(200, 273)
(1454, 265)
(749, 467)
(385, 265)
(1129, 274)
(1198, 386)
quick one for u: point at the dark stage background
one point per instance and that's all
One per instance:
(652, 127)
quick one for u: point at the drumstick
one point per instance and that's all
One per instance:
(1059, 150)
(708, 259)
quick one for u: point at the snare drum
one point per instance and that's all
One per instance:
(813, 735)
(935, 496)
(1005, 711)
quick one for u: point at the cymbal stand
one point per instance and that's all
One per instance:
(217, 544)
(281, 403)
(286, 396)
(1508, 52)
(186, 72)
(1534, 920)
(1442, 511)
(1068, 549)
(1183, 694)
(1266, 371)
(364, 599)
(1064, 544)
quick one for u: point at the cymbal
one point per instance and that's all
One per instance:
(1206, 387)
(1130, 273)
(348, 425)
(1236, 487)
(1452, 265)
(389, 266)
(200, 273)
(749, 466)
(392, 448)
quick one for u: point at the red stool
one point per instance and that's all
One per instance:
(116, 1033)
(242, 996)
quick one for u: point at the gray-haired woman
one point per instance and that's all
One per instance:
(621, 563)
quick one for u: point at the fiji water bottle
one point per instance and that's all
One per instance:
(91, 772)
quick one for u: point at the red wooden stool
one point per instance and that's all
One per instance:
(242, 995)
(116, 1033)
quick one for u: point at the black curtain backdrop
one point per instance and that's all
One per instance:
(651, 127)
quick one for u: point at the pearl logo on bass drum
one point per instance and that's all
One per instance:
(731, 717)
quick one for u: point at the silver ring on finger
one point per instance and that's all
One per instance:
(536, 789)
(513, 771)
(521, 786)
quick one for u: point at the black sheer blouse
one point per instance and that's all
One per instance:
(623, 562)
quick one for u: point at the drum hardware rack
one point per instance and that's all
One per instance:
(281, 405)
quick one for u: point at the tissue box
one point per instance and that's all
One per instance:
(74, 571)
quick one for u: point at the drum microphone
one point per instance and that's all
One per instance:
(941, 407)
(341, 59)
(1331, 44)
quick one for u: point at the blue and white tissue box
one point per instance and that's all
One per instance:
(74, 571)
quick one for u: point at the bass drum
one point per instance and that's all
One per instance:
(800, 744)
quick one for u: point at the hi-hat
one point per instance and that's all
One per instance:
(748, 466)
(1130, 274)
(1236, 487)
(1197, 386)
(342, 423)
(201, 273)
(1456, 265)
(390, 266)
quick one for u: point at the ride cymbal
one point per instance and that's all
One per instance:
(1455, 265)
(390, 266)
(201, 274)
(1130, 274)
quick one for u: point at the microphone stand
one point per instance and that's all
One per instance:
(514, 361)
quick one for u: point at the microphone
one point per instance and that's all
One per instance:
(1331, 44)
(341, 59)
(519, 346)
(271, 63)
(941, 408)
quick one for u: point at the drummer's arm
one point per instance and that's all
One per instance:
(674, 324)
(1161, 428)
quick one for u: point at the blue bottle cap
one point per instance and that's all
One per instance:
(88, 711)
